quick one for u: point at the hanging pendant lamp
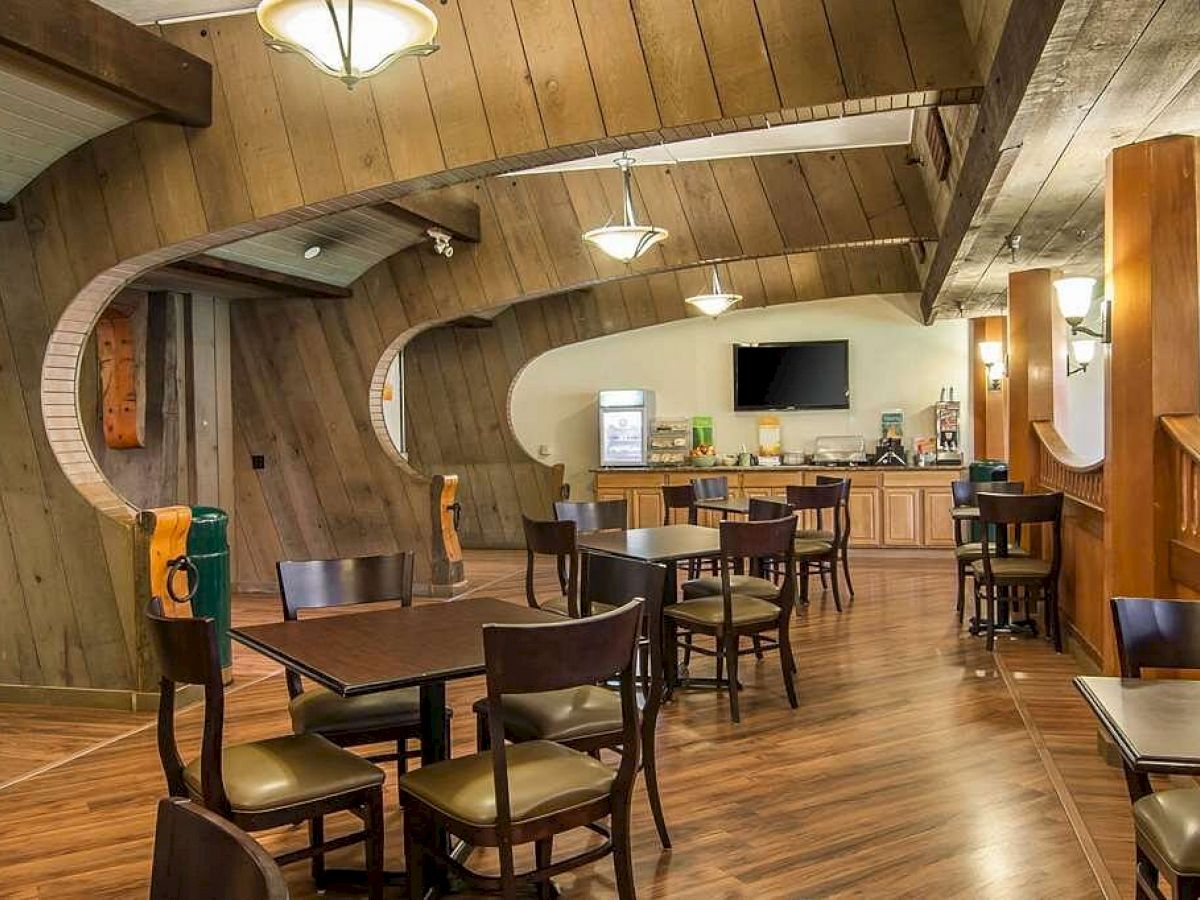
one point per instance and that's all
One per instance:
(629, 240)
(349, 39)
(717, 300)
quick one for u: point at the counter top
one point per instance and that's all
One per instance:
(612, 470)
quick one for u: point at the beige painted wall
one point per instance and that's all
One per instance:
(895, 362)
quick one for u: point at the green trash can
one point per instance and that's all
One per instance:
(208, 549)
(988, 470)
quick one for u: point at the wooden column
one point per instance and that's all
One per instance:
(1152, 266)
(989, 408)
(1037, 375)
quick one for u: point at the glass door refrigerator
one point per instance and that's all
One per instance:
(625, 427)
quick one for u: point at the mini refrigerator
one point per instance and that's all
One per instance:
(625, 427)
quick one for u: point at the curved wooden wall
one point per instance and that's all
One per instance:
(516, 84)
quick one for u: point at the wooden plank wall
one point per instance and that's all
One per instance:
(457, 380)
(284, 138)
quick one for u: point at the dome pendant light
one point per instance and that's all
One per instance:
(349, 39)
(629, 240)
(716, 301)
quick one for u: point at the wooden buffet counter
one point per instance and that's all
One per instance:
(889, 507)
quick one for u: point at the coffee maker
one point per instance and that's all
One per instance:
(946, 413)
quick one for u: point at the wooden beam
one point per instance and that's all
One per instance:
(88, 42)
(443, 209)
(225, 278)
(997, 134)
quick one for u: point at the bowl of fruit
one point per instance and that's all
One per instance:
(704, 456)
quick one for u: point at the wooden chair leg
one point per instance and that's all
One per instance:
(758, 653)
(962, 592)
(788, 664)
(803, 583)
(1145, 875)
(650, 771)
(543, 855)
(687, 649)
(837, 596)
(373, 845)
(414, 854)
(1053, 619)
(508, 871)
(316, 837)
(720, 648)
(731, 665)
(401, 763)
(846, 572)
(622, 852)
(991, 626)
(824, 582)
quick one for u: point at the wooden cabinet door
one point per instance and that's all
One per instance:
(646, 507)
(902, 517)
(618, 494)
(937, 526)
(864, 517)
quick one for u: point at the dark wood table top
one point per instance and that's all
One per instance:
(1155, 723)
(666, 543)
(362, 652)
(739, 505)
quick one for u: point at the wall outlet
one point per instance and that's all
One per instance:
(543, 450)
(258, 461)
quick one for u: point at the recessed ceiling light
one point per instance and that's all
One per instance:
(312, 252)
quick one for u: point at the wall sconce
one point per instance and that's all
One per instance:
(1075, 303)
(1085, 351)
(991, 354)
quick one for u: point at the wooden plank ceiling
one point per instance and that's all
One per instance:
(1113, 73)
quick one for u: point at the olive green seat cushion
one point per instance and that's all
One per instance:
(286, 771)
(974, 550)
(709, 611)
(544, 778)
(1169, 821)
(807, 547)
(1014, 568)
(749, 585)
(558, 606)
(321, 711)
(562, 716)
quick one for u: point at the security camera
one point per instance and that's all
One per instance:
(441, 242)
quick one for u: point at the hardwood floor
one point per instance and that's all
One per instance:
(917, 765)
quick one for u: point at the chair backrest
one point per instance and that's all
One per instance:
(965, 492)
(593, 515)
(1002, 510)
(765, 510)
(555, 539)
(1156, 634)
(771, 540)
(679, 496)
(714, 487)
(326, 583)
(844, 506)
(188, 654)
(523, 659)
(821, 497)
(199, 856)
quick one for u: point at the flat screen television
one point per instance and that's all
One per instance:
(808, 375)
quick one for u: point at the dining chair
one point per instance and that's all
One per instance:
(199, 856)
(593, 515)
(1036, 578)
(531, 791)
(764, 585)
(677, 498)
(392, 717)
(555, 539)
(588, 717)
(714, 487)
(817, 551)
(826, 534)
(261, 784)
(966, 550)
(1161, 634)
(730, 615)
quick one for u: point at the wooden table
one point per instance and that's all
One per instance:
(726, 505)
(1154, 723)
(364, 652)
(670, 544)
